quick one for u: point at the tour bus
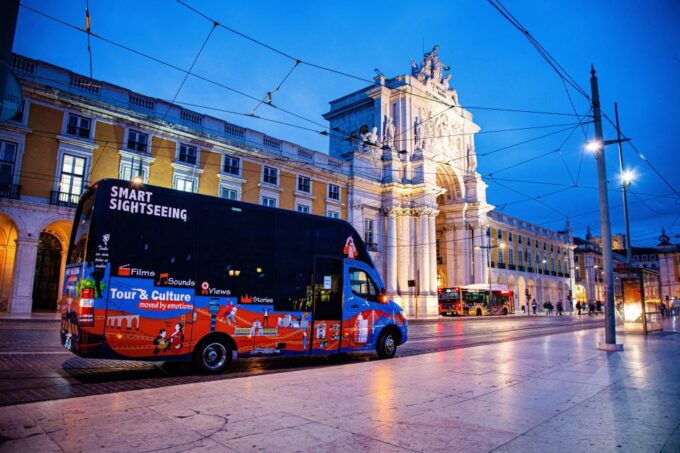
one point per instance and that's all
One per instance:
(474, 300)
(158, 274)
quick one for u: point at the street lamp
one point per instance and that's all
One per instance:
(594, 146)
(627, 178)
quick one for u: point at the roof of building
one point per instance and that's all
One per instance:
(66, 83)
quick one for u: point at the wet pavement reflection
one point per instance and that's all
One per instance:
(34, 367)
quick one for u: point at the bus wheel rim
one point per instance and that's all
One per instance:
(389, 344)
(214, 356)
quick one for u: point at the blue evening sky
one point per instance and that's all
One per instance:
(634, 46)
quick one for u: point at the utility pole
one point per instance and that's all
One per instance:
(605, 223)
(624, 188)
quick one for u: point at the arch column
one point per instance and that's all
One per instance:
(391, 254)
(424, 253)
(432, 236)
(403, 242)
(24, 273)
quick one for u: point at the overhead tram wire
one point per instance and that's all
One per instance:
(170, 65)
(342, 73)
(564, 75)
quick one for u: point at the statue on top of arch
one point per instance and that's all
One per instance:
(431, 68)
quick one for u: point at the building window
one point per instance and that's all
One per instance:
(304, 184)
(185, 183)
(528, 242)
(559, 266)
(551, 248)
(303, 208)
(501, 259)
(187, 154)
(552, 264)
(229, 194)
(509, 236)
(499, 234)
(519, 239)
(333, 192)
(544, 246)
(129, 170)
(369, 231)
(78, 126)
(231, 165)
(577, 275)
(72, 179)
(138, 141)
(333, 214)
(511, 257)
(538, 262)
(270, 176)
(520, 258)
(488, 232)
(576, 258)
(268, 201)
(8, 155)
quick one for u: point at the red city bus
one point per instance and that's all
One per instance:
(474, 300)
(158, 274)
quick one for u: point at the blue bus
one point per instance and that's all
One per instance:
(157, 274)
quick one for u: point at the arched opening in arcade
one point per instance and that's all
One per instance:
(448, 203)
(8, 236)
(49, 265)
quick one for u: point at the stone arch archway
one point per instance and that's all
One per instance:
(8, 236)
(450, 236)
(521, 292)
(512, 286)
(50, 262)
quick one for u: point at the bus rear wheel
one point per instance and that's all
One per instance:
(387, 345)
(213, 355)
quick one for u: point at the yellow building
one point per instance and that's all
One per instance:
(73, 131)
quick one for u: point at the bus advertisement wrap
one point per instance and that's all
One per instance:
(156, 274)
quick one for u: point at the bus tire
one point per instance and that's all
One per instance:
(505, 311)
(479, 312)
(213, 355)
(387, 344)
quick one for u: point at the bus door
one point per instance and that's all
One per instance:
(327, 315)
(361, 306)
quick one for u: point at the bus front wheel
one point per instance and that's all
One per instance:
(387, 345)
(213, 355)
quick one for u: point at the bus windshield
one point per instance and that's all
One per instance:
(81, 230)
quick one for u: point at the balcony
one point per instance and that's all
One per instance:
(10, 191)
(69, 200)
(530, 269)
(501, 265)
(511, 267)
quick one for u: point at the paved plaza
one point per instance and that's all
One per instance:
(543, 394)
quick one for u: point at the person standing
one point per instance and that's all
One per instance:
(534, 305)
(578, 308)
(560, 308)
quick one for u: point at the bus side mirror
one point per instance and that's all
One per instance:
(382, 296)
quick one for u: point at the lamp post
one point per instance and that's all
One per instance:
(627, 177)
(597, 147)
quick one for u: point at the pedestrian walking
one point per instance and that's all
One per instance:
(545, 308)
(578, 308)
(534, 305)
(598, 307)
(560, 308)
(591, 308)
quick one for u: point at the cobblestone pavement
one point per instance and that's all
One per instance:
(550, 393)
(34, 367)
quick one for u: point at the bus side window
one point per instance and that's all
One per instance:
(363, 285)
